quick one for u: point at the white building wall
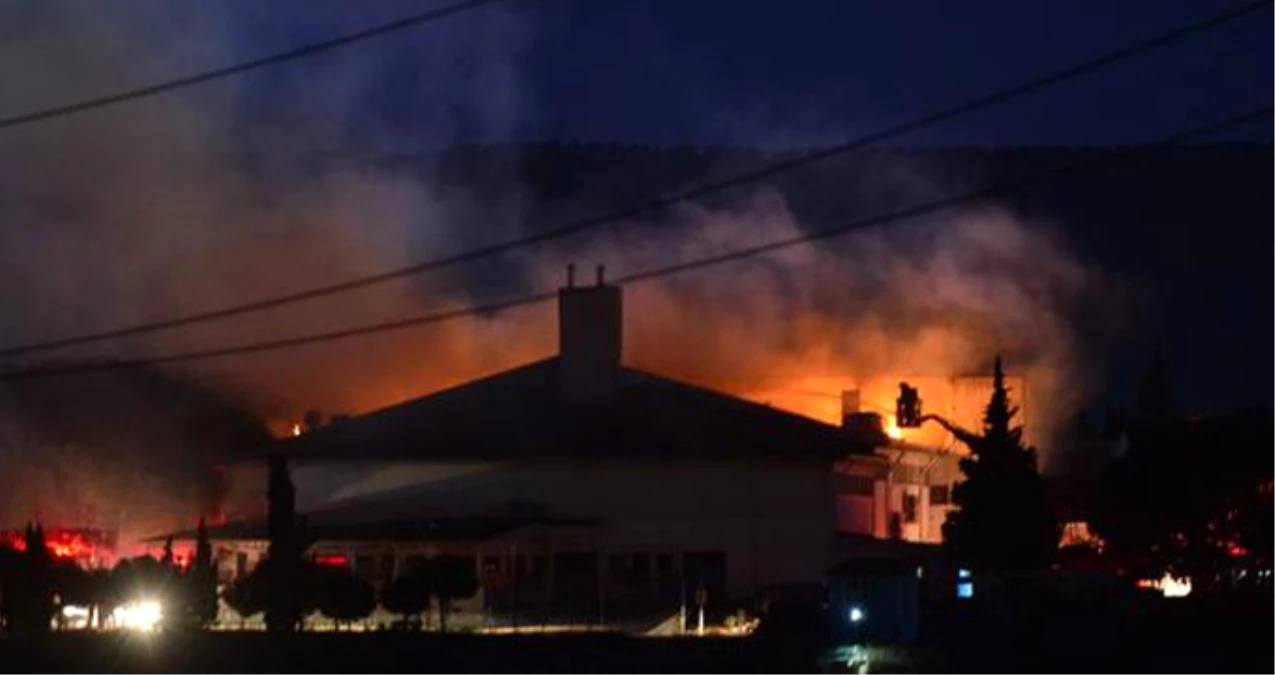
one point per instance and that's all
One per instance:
(774, 519)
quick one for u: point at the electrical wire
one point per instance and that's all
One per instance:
(241, 67)
(997, 189)
(658, 203)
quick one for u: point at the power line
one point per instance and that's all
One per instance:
(996, 189)
(658, 203)
(244, 66)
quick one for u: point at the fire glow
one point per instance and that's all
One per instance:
(82, 547)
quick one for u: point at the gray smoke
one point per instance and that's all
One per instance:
(254, 186)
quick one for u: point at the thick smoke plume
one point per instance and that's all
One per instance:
(242, 190)
(936, 297)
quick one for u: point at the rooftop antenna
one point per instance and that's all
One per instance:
(571, 275)
(602, 274)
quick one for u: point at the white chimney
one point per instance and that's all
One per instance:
(589, 347)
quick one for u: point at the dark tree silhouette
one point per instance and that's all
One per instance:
(10, 571)
(247, 595)
(141, 577)
(1154, 409)
(1157, 503)
(199, 584)
(450, 578)
(341, 596)
(30, 601)
(1004, 521)
(284, 567)
(408, 596)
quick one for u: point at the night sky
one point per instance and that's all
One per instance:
(668, 72)
(748, 72)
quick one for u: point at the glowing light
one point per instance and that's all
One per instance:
(81, 546)
(856, 614)
(72, 616)
(335, 559)
(1175, 588)
(142, 615)
(75, 612)
(962, 573)
(965, 589)
(296, 429)
(893, 431)
(1077, 533)
(856, 658)
(1168, 585)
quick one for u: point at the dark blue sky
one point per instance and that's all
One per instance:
(745, 72)
(751, 71)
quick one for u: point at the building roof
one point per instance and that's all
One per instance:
(518, 414)
(434, 529)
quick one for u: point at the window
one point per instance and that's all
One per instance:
(533, 565)
(857, 485)
(940, 495)
(906, 473)
(491, 564)
(241, 563)
(615, 563)
(664, 563)
(909, 508)
(641, 563)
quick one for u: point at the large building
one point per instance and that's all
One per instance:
(579, 485)
(571, 481)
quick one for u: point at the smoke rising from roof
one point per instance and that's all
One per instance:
(243, 189)
(939, 296)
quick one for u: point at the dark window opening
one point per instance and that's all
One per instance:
(858, 485)
(939, 495)
(664, 563)
(909, 508)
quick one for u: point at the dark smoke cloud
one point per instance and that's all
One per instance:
(207, 197)
(135, 452)
(253, 187)
(931, 297)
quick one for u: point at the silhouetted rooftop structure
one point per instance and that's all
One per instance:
(518, 414)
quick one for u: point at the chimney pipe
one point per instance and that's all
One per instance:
(571, 275)
(589, 343)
